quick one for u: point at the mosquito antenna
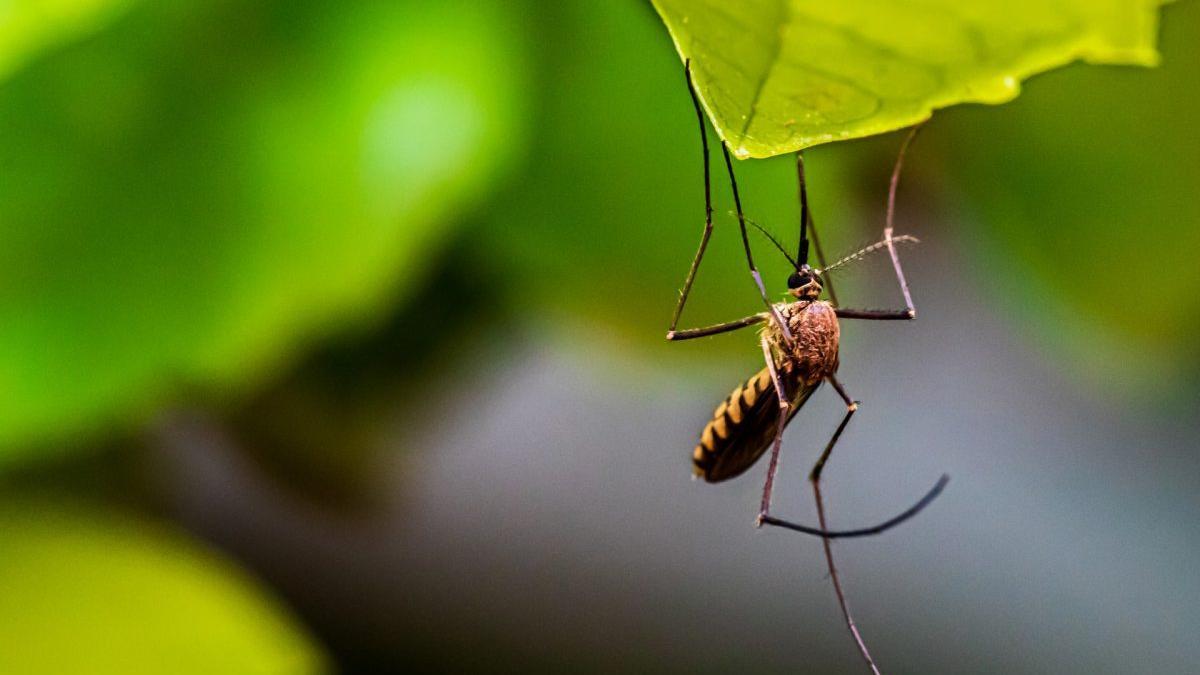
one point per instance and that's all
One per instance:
(802, 247)
(774, 241)
(868, 250)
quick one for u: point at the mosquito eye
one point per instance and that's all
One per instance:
(797, 280)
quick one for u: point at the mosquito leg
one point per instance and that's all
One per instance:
(851, 408)
(816, 240)
(764, 513)
(808, 224)
(815, 478)
(910, 311)
(737, 201)
(890, 219)
(689, 333)
(708, 224)
(864, 531)
(877, 314)
(765, 517)
(837, 585)
(784, 410)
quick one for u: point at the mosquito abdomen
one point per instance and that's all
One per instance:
(740, 430)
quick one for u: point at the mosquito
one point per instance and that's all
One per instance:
(799, 341)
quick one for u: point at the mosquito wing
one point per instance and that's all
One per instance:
(743, 426)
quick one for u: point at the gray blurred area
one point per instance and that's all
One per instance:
(538, 514)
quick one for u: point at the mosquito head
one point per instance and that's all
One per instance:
(804, 284)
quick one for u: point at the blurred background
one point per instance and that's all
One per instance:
(331, 340)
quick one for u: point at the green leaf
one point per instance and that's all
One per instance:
(192, 196)
(84, 593)
(778, 76)
(30, 27)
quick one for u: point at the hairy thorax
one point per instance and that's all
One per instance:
(813, 354)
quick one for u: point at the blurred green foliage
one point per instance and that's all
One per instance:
(1080, 199)
(297, 210)
(30, 27)
(249, 179)
(88, 593)
(780, 76)
(203, 187)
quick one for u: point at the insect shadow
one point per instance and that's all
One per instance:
(799, 341)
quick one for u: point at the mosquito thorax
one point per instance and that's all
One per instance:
(803, 284)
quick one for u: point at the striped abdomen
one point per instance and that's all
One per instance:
(743, 426)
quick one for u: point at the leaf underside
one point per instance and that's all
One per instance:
(777, 76)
